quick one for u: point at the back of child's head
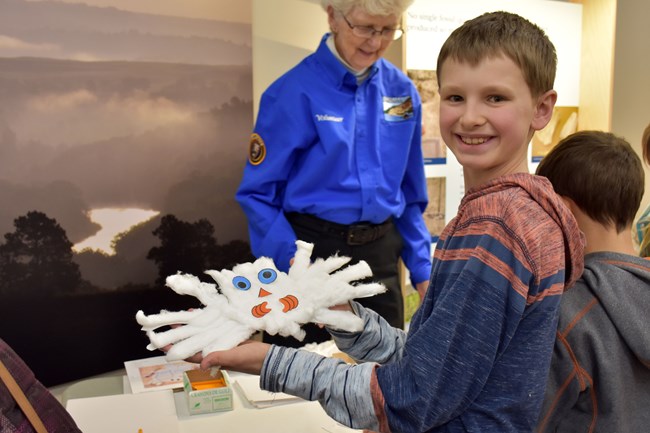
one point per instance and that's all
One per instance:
(495, 34)
(600, 173)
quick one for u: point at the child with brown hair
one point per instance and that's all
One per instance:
(600, 370)
(477, 353)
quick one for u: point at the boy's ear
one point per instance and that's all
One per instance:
(568, 202)
(544, 109)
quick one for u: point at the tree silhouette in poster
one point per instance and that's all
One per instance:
(184, 247)
(231, 254)
(37, 258)
(191, 248)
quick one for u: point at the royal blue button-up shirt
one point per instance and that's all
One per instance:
(344, 152)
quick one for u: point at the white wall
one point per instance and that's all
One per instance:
(284, 32)
(631, 76)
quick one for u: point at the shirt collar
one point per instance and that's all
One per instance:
(332, 46)
(338, 69)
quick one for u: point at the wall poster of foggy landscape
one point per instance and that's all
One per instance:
(124, 128)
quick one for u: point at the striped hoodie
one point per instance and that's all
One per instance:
(477, 354)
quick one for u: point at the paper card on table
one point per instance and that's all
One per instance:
(156, 373)
(249, 385)
(151, 412)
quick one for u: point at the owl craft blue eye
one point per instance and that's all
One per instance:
(241, 283)
(267, 276)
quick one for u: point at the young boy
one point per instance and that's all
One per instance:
(600, 370)
(477, 353)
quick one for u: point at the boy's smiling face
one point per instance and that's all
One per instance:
(488, 116)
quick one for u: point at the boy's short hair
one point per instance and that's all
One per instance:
(503, 33)
(601, 173)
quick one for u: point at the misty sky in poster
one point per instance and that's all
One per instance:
(220, 10)
(104, 107)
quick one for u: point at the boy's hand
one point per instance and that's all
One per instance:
(339, 307)
(248, 357)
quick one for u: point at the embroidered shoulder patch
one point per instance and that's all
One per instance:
(256, 150)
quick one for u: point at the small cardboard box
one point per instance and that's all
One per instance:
(207, 393)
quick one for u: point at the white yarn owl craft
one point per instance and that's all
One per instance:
(258, 297)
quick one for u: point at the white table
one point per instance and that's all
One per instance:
(293, 417)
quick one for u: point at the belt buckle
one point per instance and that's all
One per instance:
(360, 234)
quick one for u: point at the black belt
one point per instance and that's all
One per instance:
(353, 234)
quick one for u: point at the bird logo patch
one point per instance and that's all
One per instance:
(398, 108)
(256, 150)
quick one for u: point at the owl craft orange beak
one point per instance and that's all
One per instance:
(263, 293)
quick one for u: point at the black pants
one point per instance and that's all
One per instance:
(381, 255)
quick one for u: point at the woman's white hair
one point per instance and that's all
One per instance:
(371, 7)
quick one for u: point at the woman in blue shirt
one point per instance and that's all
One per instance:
(335, 158)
